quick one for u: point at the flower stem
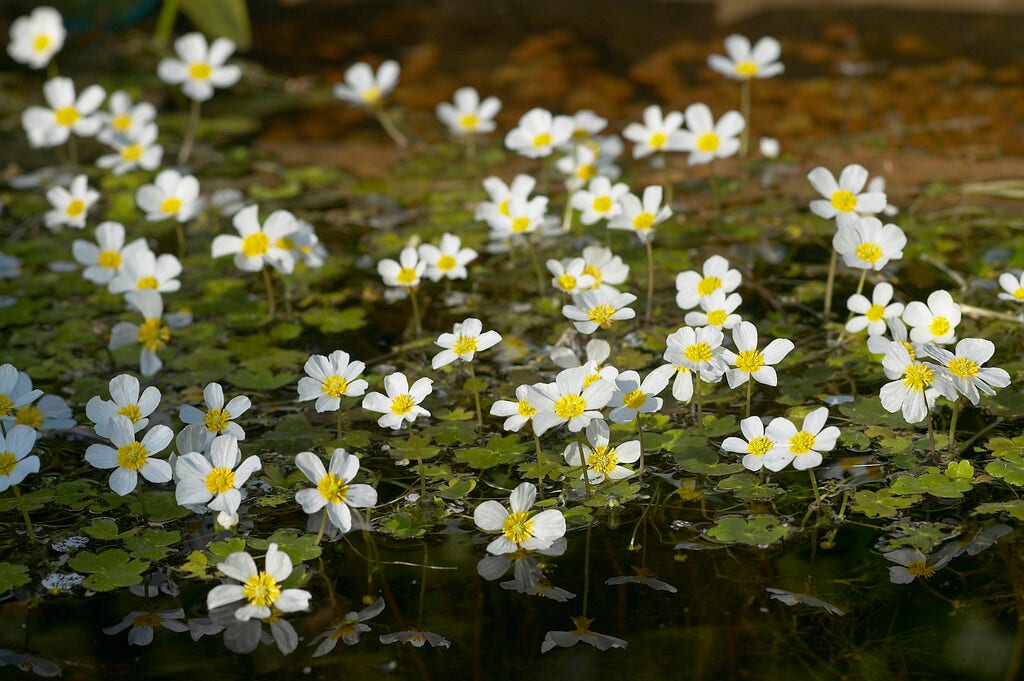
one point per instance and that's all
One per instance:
(536, 266)
(745, 110)
(952, 425)
(586, 568)
(190, 132)
(750, 388)
(417, 328)
(142, 502)
(650, 278)
(476, 399)
(666, 179)
(390, 128)
(583, 461)
(863, 277)
(830, 283)
(698, 390)
(323, 526)
(179, 232)
(72, 151)
(271, 303)
(640, 438)
(338, 422)
(540, 476)
(713, 183)
(24, 513)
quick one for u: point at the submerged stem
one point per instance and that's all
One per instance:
(323, 526)
(24, 513)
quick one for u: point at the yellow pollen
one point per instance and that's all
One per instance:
(634, 399)
(446, 263)
(469, 121)
(503, 208)
(334, 386)
(216, 420)
(285, 243)
(75, 208)
(868, 252)
(1019, 293)
(582, 625)
(255, 244)
(746, 69)
(520, 224)
(843, 200)
(132, 456)
(708, 285)
(917, 377)
(567, 282)
(371, 96)
(643, 221)
(464, 345)
(595, 273)
(680, 369)
(801, 443)
(570, 406)
(121, 123)
(406, 276)
(717, 317)
(6, 405)
(402, 404)
(517, 527)
(658, 140)
(132, 411)
(749, 361)
(580, 134)
(346, 628)
(200, 70)
(333, 488)
(698, 352)
(524, 409)
(602, 204)
(148, 282)
(602, 314)
(111, 260)
(66, 116)
(586, 171)
(7, 463)
(29, 415)
(760, 446)
(875, 313)
(589, 380)
(910, 349)
(708, 142)
(220, 480)
(132, 152)
(153, 335)
(41, 42)
(542, 140)
(170, 205)
(920, 568)
(961, 367)
(261, 589)
(603, 459)
(939, 327)
(149, 619)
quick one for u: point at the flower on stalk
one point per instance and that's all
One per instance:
(348, 629)
(641, 216)
(365, 88)
(36, 38)
(521, 216)
(707, 140)
(632, 397)
(71, 205)
(916, 384)
(934, 322)
(130, 458)
(216, 480)
(699, 350)
(1013, 286)
(468, 115)
(599, 201)
(402, 401)
(51, 412)
(172, 195)
(717, 310)
(844, 200)
(715, 275)
(581, 632)
(466, 339)
(605, 267)
(569, 400)
(14, 392)
(125, 401)
(258, 245)
(259, 589)
(144, 624)
(802, 447)
(519, 413)
(873, 314)
(744, 62)
(219, 418)
(495, 211)
(447, 260)
(520, 530)
(751, 363)
(135, 149)
(15, 462)
(334, 488)
(122, 116)
(597, 351)
(142, 269)
(657, 133)
(153, 334)
(67, 114)
(594, 309)
(405, 273)
(868, 244)
(330, 378)
(568, 277)
(586, 124)
(103, 259)
(200, 67)
(964, 366)
(538, 133)
(755, 445)
(602, 460)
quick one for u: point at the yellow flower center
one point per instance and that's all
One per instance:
(760, 446)
(517, 527)
(66, 116)
(698, 352)
(658, 140)
(75, 208)
(6, 405)
(261, 589)
(402, 404)
(469, 121)
(708, 142)
(371, 96)
(680, 369)
(148, 282)
(220, 480)
(634, 399)
(603, 459)
(567, 282)
(643, 221)
(910, 349)
(917, 377)
(446, 263)
(131, 411)
(589, 380)
(875, 313)
(961, 367)
(503, 208)
(334, 386)
(586, 171)
(406, 276)
(939, 326)
(708, 285)
(920, 568)
(333, 488)
(170, 205)
(542, 140)
(717, 317)
(801, 443)
(749, 361)
(29, 415)
(7, 463)
(595, 273)
(285, 243)
(868, 252)
(346, 628)
(525, 409)
(746, 69)
(602, 204)
(132, 152)
(149, 619)
(602, 314)
(216, 420)
(121, 123)
(843, 201)
(520, 224)
(132, 456)
(1019, 293)
(200, 70)
(570, 406)
(109, 259)
(255, 244)
(41, 42)
(464, 345)
(153, 335)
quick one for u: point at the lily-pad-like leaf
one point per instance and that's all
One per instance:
(758, 530)
(106, 529)
(882, 504)
(415, 448)
(299, 547)
(1015, 508)
(747, 487)
(933, 482)
(1010, 469)
(13, 575)
(329, 320)
(108, 570)
(151, 544)
(34, 500)
(456, 488)
(260, 379)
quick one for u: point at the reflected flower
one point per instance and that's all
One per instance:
(581, 632)
(144, 623)
(51, 412)
(348, 630)
(793, 598)
(541, 587)
(526, 567)
(416, 638)
(643, 576)
(29, 663)
(911, 564)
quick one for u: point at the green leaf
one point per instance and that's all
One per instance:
(717, 427)
(414, 448)
(299, 547)
(329, 320)
(151, 544)
(227, 18)
(1009, 470)
(456, 488)
(1015, 508)
(748, 487)
(759, 530)
(13, 575)
(930, 482)
(106, 529)
(881, 504)
(1004, 447)
(223, 549)
(160, 507)
(34, 501)
(960, 470)
(108, 570)
(262, 379)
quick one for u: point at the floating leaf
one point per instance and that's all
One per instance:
(1015, 508)
(13, 575)
(262, 379)
(1010, 470)
(299, 547)
(108, 570)
(329, 320)
(882, 504)
(748, 487)
(151, 544)
(930, 482)
(759, 530)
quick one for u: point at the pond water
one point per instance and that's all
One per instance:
(716, 572)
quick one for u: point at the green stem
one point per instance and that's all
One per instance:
(323, 526)
(190, 132)
(51, 69)
(24, 513)
(422, 473)
(830, 283)
(567, 213)
(666, 179)
(338, 422)
(476, 399)
(586, 568)
(952, 425)
(750, 388)
(179, 232)
(165, 22)
(540, 476)
(268, 283)
(745, 110)
(640, 438)
(583, 461)
(142, 502)
(417, 329)
(698, 390)
(390, 128)
(471, 146)
(650, 278)
(72, 151)
(713, 182)
(863, 277)
(931, 433)
(536, 266)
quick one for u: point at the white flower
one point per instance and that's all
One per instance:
(14, 392)
(698, 350)
(122, 116)
(218, 419)
(640, 217)
(200, 67)
(966, 370)
(153, 333)
(466, 339)
(935, 322)
(707, 140)
(606, 268)
(522, 216)
(520, 530)
(142, 269)
(588, 160)
(129, 458)
(692, 287)
(330, 378)
(71, 205)
(416, 638)
(15, 464)
(538, 133)
(448, 259)
(844, 200)
(365, 88)
(215, 481)
(258, 245)
(306, 245)
(751, 363)
(135, 149)
(519, 412)
(495, 212)
(402, 401)
(1013, 287)
(744, 63)
(875, 313)
(586, 124)
(172, 195)
(916, 384)
(754, 446)
(597, 351)
(125, 401)
(602, 460)
(259, 589)
(569, 400)
(51, 412)
(580, 632)
(717, 310)
(568, 276)
(877, 184)
(334, 488)
(804, 446)
(103, 259)
(36, 38)
(632, 397)
(469, 116)
(144, 624)
(52, 127)
(656, 133)
(869, 245)
(594, 309)
(769, 147)
(878, 345)
(599, 201)
(406, 272)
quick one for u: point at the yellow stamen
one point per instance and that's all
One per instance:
(517, 527)
(217, 420)
(469, 121)
(75, 208)
(132, 152)
(962, 367)
(334, 386)
(261, 589)
(634, 399)
(148, 282)
(603, 459)
(760, 446)
(402, 404)
(111, 260)
(875, 313)
(200, 70)
(132, 411)
(41, 42)
(170, 205)
(939, 327)
(570, 406)
(220, 480)
(868, 252)
(66, 116)
(708, 142)
(643, 221)
(749, 361)
(746, 69)
(542, 140)
(801, 443)
(446, 263)
(153, 335)
(917, 377)
(657, 140)
(567, 282)
(698, 352)
(520, 224)
(255, 244)
(602, 204)
(132, 456)
(464, 345)
(602, 314)
(333, 488)
(29, 415)
(7, 463)
(406, 276)
(843, 201)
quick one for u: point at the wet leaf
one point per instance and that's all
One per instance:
(1015, 508)
(881, 504)
(108, 570)
(759, 530)
(13, 575)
